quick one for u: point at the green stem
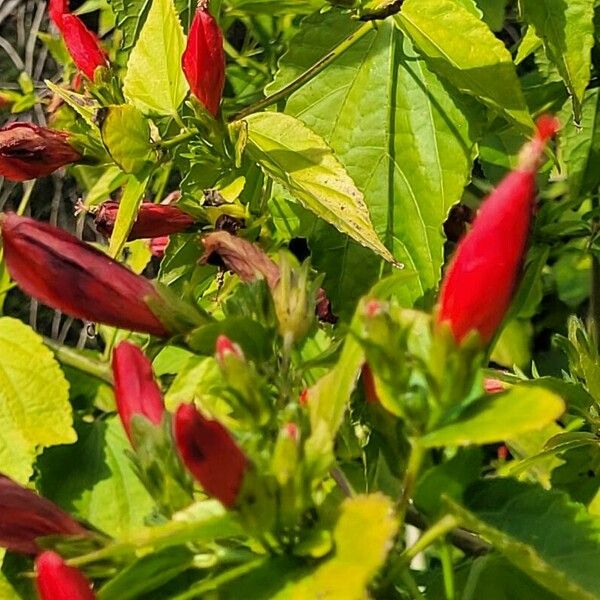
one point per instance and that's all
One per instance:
(27, 191)
(182, 137)
(415, 460)
(594, 309)
(305, 77)
(77, 360)
(447, 571)
(444, 526)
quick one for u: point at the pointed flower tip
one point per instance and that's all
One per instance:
(224, 347)
(547, 126)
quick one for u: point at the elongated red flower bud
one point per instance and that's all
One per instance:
(493, 386)
(136, 391)
(55, 580)
(153, 220)
(82, 44)
(26, 516)
(58, 9)
(28, 151)
(72, 276)
(479, 283)
(203, 60)
(210, 454)
(369, 385)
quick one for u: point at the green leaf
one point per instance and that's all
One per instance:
(104, 488)
(154, 81)
(305, 165)
(567, 31)
(130, 16)
(147, 574)
(127, 213)
(496, 417)
(541, 532)
(489, 577)
(405, 137)
(493, 13)
(243, 8)
(462, 48)
(34, 402)
(346, 574)
(126, 135)
(581, 147)
(104, 185)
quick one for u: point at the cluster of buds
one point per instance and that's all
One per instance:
(205, 447)
(28, 151)
(203, 60)
(82, 44)
(479, 284)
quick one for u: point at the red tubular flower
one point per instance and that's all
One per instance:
(55, 580)
(479, 283)
(82, 44)
(58, 9)
(210, 454)
(136, 392)
(28, 151)
(203, 60)
(158, 246)
(153, 220)
(72, 276)
(26, 516)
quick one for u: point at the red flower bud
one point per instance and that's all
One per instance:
(58, 9)
(82, 44)
(153, 220)
(291, 431)
(28, 151)
(210, 454)
(493, 386)
(369, 385)
(72, 276)
(479, 283)
(224, 347)
(136, 392)
(203, 60)
(303, 400)
(26, 516)
(55, 580)
(158, 246)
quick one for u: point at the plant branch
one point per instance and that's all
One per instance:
(439, 529)
(462, 539)
(77, 360)
(415, 460)
(305, 77)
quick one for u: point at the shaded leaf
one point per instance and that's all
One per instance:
(567, 31)
(541, 532)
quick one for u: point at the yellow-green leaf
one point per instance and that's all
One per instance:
(498, 417)
(154, 81)
(34, 400)
(302, 162)
(463, 49)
